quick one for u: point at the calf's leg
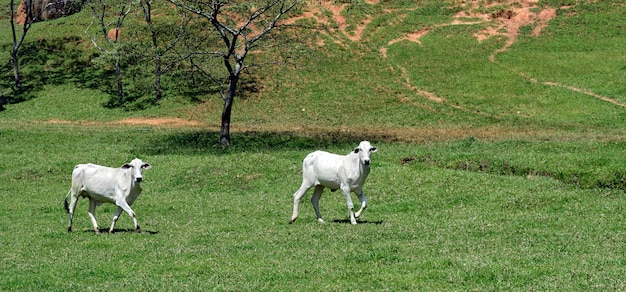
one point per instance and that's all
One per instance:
(71, 208)
(363, 204)
(116, 216)
(297, 196)
(316, 202)
(92, 216)
(122, 205)
(346, 193)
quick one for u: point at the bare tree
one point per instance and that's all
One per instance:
(99, 11)
(239, 25)
(17, 42)
(159, 52)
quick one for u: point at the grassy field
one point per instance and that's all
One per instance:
(218, 220)
(504, 174)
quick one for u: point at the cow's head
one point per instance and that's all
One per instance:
(363, 150)
(136, 168)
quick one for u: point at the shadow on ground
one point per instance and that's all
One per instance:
(122, 230)
(207, 142)
(347, 221)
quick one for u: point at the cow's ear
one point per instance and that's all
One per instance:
(356, 150)
(127, 165)
(373, 149)
(146, 166)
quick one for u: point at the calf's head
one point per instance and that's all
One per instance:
(136, 167)
(363, 150)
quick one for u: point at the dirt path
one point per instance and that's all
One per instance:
(405, 135)
(586, 92)
(156, 122)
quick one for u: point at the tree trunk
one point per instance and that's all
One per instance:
(157, 76)
(226, 113)
(147, 12)
(120, 87)
(16, 69)
(17, 43)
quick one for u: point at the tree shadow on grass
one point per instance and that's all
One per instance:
(207, 142)
(51, 61)
(65, 60)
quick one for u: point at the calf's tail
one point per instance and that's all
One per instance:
(65, 204)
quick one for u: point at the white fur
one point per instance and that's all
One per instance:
(348, 173)
(101, 184)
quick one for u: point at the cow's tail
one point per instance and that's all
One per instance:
(65, 204)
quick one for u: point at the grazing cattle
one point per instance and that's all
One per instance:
(101, 184)
(322, 169)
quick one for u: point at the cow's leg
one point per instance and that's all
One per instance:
(71, 208)
(346, 193)
(363, 203)
(316, 202)
(297, 196)
(124, 206)
(92, 211)
(116, 216)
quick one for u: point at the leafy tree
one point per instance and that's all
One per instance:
(238, 26)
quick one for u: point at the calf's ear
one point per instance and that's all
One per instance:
(146, 166)
(356, 150)
(373, 149)
(127, 165)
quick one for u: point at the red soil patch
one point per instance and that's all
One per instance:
(114, 34)
(316, 12)
(20, 17)
(157, 122)
(412, 37)
(509, 21)
(505, 22)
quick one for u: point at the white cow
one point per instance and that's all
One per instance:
(101, 184)
(322, 169)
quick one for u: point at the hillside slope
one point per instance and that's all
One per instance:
(407, 71)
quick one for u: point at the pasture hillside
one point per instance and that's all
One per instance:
(501, 129)
(410, 71)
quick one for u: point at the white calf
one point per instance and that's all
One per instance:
(322, 169)
(101, 184)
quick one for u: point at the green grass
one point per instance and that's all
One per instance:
(218, 220)
(514, 185)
